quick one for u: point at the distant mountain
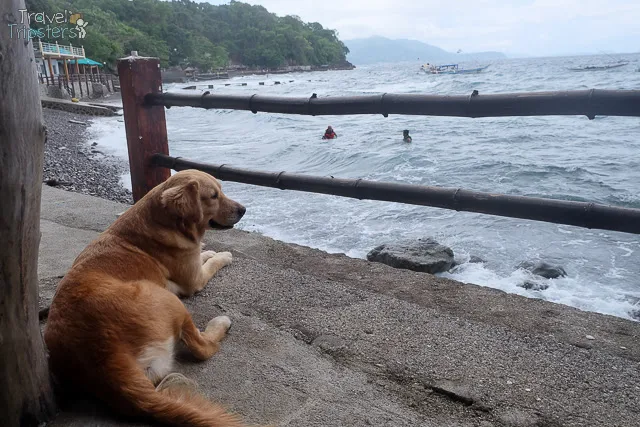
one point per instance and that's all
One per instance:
(381, 49)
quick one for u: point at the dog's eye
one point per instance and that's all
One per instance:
(214, 196)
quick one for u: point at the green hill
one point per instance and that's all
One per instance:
(183, 32)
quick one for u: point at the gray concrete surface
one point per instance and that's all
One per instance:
(77, 107)
(326, 340)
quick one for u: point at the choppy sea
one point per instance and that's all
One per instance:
(570, 158)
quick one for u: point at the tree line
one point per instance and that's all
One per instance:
(184, 32)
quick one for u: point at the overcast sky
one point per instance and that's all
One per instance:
(530, 27)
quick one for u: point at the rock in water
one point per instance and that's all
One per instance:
(534, 286)
(425, 255)
(541, 268)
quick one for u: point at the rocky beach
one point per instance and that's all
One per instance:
(72, 163)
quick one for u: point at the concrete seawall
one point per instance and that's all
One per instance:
(326, 340)
(79, 107)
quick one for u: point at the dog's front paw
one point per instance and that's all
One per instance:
(206, 255)
(225, 257)
(220, 322)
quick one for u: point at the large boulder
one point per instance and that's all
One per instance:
(543, 269)
(425, 255)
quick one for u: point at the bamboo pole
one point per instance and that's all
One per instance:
(589, 215)
(590, 103)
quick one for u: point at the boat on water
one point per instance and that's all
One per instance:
(450, 69)
(599, 68)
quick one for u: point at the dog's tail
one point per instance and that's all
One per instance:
(174, 404)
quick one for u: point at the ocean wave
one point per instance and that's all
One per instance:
(561, 157)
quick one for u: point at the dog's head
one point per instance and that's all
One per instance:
(197, 198)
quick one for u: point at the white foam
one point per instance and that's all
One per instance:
(110, 135)
(570, 291)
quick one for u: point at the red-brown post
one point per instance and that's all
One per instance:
(145, 125)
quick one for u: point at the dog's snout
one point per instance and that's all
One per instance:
(241, 211)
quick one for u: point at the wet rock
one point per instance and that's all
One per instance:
(541, 268)
(425, 255)
(476, 260)
(534, 286)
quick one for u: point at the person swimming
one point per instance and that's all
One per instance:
(406, 137)
(329, 134)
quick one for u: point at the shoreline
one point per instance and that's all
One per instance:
(420, 350)
(72, 163)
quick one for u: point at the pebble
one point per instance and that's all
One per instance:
(590, 337)
(69, 162)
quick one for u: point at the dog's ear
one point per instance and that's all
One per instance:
(184, 201)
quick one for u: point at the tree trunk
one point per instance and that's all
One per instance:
(26, 397)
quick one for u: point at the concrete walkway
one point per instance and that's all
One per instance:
(89, 108)
(326, 340)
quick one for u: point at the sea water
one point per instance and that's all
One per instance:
(568, 158)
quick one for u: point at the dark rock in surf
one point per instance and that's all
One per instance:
(425, 255)
(543, 269)
(534, 286)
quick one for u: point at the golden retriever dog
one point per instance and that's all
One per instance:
(116, 316)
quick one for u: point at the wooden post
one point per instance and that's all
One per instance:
(145, 125)
(26, 397)
(66, 77)
(86, 82)
(53, 81)
(78, 76)
(46, 75)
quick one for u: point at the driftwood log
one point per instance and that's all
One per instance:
(26, 397)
